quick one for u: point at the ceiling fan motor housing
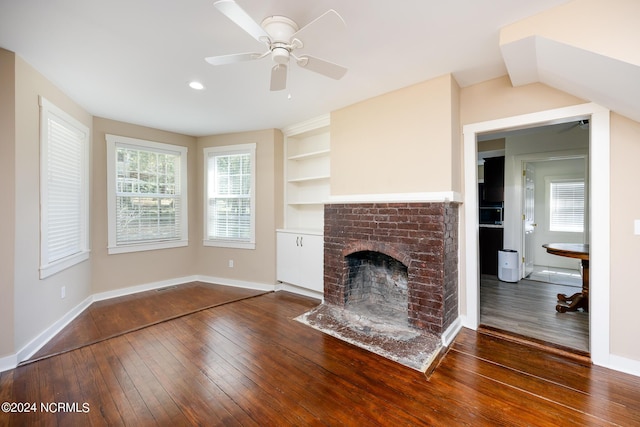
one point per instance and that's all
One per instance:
(279, 28)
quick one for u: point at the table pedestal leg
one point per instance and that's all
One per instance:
(577, 300)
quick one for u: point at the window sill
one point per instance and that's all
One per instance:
(229, 244)
(140, 247)
(63, 264)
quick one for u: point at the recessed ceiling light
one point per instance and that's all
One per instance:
(196, 85)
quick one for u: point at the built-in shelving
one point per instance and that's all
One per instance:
(306, 186)
(307, 172)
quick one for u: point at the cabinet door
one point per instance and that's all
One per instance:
(312, 262)
(300, 260)
(491, 241)
(494, 179)
(288, 257)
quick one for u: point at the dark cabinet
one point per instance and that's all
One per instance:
(493, 180)
(491, 241)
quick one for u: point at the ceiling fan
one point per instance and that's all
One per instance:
(582, 124)
(282, 36)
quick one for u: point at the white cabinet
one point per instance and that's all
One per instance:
(300, 259)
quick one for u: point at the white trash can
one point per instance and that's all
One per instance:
(508, 266)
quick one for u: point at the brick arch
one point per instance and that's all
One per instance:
(385, 248)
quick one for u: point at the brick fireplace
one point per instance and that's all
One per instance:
(410, 251)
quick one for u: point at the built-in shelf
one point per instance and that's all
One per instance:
(305, 156)
(309, 178)
(306, 203)
(307, 173)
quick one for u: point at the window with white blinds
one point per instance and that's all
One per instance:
(567, 206)
(147, 198)
(64, 195)
(230, 196)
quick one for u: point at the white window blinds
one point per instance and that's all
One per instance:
(64, 192)
(147, 195)
(230, 212)
(567, 206)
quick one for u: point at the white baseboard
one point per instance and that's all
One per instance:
(622, 364)
(281, 286)
(142, 288)
(36, 344)
(224, 281)
(450, 333)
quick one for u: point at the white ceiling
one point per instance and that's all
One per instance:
(131, 60)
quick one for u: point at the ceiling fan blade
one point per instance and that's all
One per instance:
(330, 20)
(278, 77)
(235, 13)
(321, 66)
(233, 58)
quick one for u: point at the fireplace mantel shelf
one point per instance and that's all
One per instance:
(438, 196)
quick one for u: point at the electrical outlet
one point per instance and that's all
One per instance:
(230, 263)
(636, 226)
(63, 292)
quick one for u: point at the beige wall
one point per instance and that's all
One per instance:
(111, 272)
(625, 245)
(496, 99)
(399, 142)
(7, 195)
(38, 303)
(259, 265)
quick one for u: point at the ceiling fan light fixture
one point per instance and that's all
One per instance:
(280, 55)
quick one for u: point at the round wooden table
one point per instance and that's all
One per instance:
(579, 251)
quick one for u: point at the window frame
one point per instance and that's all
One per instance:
(48, 113)
(116, 141)
(250, 243)
(550, 181)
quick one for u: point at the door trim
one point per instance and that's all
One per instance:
(599, 215)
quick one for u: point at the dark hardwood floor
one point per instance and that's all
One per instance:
(116, 316)
(250, 363)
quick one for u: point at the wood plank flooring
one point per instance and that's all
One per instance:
(249, 363)
(116, 316)
(527, 308)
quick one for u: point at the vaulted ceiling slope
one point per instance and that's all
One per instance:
(131, 61)
(588, 48)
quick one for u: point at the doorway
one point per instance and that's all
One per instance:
(550, 208)
(599, 217)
